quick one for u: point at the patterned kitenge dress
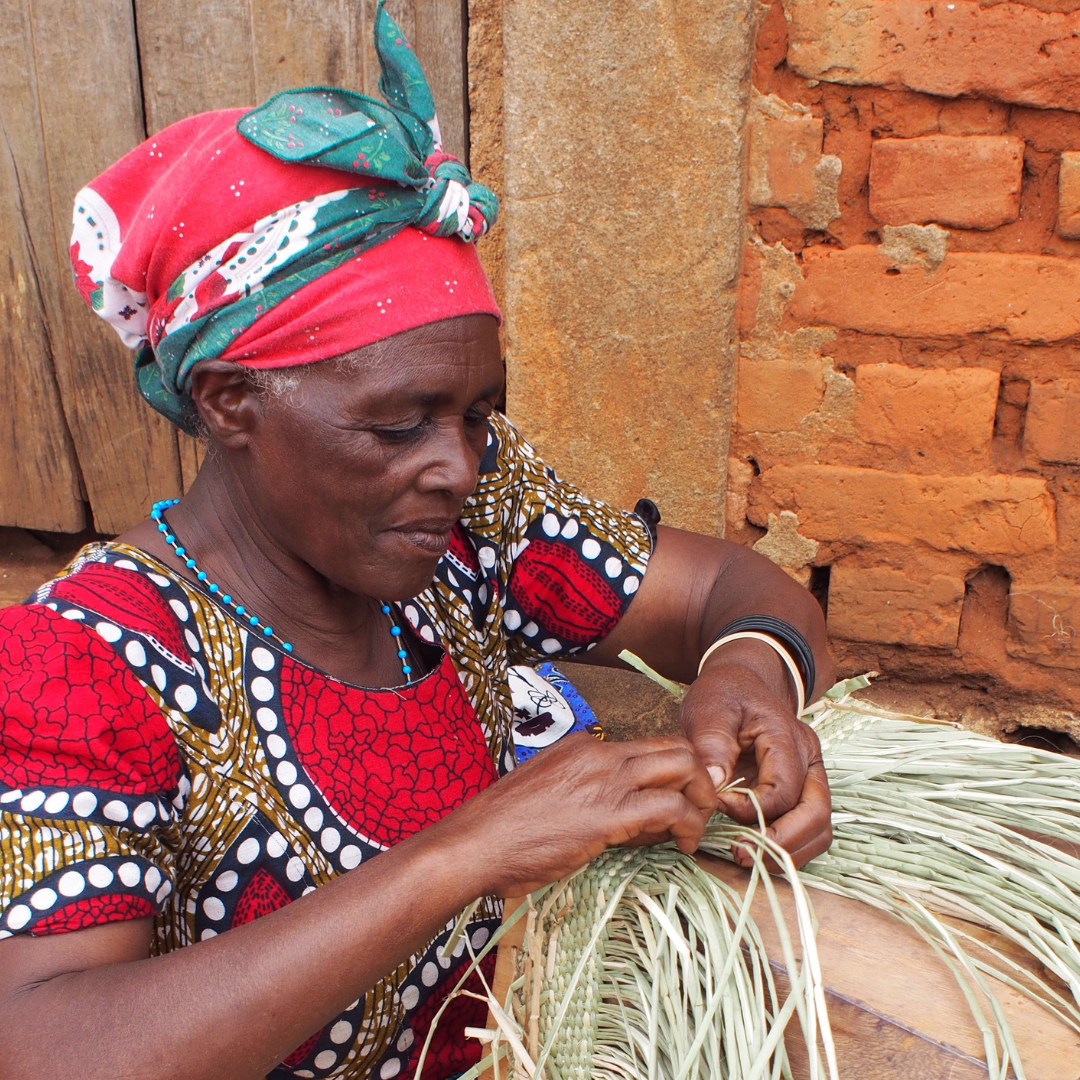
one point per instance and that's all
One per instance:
(158, 760)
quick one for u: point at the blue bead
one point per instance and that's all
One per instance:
(155, 513)
(386, 609)
(254, 620)
(169, 538)
(226, 598)
(407, 669)
(201, 575)
(402, 654)
(213, 586)
(267, 631)
(190, 564)
(240, 610)
(286, 646)
(180, 552)
(395, 630)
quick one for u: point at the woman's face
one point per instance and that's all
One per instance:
(362, 472)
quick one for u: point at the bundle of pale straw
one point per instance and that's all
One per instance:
(642, 965)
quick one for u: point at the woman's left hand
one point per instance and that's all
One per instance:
(747, 732)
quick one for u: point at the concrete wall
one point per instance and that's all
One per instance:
(615, 131)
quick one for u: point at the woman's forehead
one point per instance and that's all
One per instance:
(437, 362)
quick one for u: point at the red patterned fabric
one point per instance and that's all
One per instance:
(126, 597)
(72, 713)
(261, 896)
(93, 911)
(448, 1053)
(389, 763)
(555, 586)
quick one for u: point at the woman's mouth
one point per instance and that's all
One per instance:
(432, 538)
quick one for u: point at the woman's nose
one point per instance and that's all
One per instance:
(456, 462)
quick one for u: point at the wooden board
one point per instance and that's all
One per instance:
(896, 1011)
(39, 481)
(194, 59)
(85, 112)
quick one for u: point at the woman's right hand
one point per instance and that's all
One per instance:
(564, 806)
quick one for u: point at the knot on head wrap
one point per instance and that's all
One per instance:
(315, 224)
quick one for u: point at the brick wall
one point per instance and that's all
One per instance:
(907, 437)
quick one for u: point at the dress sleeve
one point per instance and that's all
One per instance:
(566, 566)
(89, 771)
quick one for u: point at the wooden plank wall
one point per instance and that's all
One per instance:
(81, 84)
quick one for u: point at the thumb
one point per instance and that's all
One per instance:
(719, 751)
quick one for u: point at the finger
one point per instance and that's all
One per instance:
(810, 817)
(718, 747)
(669, 813)
(779, 780)
(677, 768)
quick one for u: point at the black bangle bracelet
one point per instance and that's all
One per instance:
(787, 635)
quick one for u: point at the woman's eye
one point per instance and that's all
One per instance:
(401, 434)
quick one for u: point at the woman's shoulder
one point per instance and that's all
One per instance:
(72, 709)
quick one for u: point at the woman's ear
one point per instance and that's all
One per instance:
(227, 402)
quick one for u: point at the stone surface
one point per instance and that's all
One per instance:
(485, 85)
(623, 209)
(914, 245)
(1007, 52)
(1052, 431)
(775, 395)
(786, 165)
(1030, 298)
(970, 181)
(882, 604)
(988, 514)
(1068, 222)
(783, 543)
(1044, 624)
(939, 413)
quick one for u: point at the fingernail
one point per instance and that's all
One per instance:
(717, 776)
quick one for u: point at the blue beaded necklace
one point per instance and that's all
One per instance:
(157, 512)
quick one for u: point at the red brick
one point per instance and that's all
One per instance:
(940, 413)
(970, 181)
(1046, 129)
(1029, 297)
(1068, 220)
(1008, 52)
(973, 116)
(1044, 624)
(786, 166)
(1052, 430)
(774, 395)
(888, 606)
(984, 514)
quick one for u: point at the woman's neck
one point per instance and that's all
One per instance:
(344, 633)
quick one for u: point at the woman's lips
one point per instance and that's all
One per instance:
(431, 538)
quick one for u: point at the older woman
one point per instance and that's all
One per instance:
(255, 755)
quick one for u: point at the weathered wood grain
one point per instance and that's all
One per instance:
(306, 43)
(39, 473)
(82, 59)
(194, 61)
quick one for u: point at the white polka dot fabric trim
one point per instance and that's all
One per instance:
(129, 875)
